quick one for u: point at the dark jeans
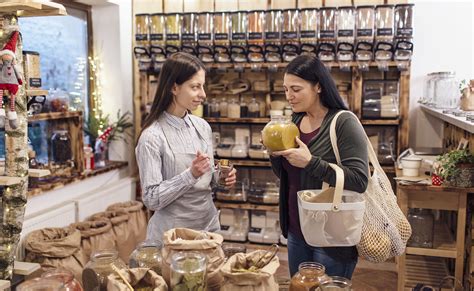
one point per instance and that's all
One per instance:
(338, 261)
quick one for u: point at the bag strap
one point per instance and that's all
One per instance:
(370, 150)
(338, 188)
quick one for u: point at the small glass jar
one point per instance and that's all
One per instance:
(96, 271)
(244, 109)
(280, 133)
(224, 167)
(254, 108)
(335, 283)
(233, 109)
(61, 149)
(32, 162)
(40, 284)
(309, 277)
(64, 276)
(223, 107)
(288, 111)
(188, 268)
(147, 255)
(214, 108)
(422, 224)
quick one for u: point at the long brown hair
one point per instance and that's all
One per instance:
(177, 69)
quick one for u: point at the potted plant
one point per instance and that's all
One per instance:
(456, 168)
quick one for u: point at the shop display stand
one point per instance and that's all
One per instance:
(16, 148)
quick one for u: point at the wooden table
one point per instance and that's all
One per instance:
(430, 268)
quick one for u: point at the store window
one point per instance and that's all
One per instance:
(63, 45)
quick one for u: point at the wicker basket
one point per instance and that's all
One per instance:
(465, 179)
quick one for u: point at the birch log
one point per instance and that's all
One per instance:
(16, 157)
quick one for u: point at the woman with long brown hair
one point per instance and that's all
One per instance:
(175, 154)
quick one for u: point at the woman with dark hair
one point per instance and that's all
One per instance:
(175, 154)
(312, 94)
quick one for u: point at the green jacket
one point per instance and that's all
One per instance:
(352, 144)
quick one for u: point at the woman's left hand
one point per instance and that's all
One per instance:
(299, 157)
(231, 178)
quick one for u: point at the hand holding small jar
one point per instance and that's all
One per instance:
(227, 173)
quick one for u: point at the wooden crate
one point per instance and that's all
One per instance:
(73, 123)
(426, 270)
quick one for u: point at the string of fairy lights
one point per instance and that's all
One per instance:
(96, 66)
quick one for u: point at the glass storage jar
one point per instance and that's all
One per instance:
(188, 268)
(309, 277)
(233, 109)
(96, 271)
(446, 91)
(254, 108)
(147, 255)
(64, 276)
(335, 283)
(280, 133)
(214, 108)
(61, 149)
(223, 107)
(40, 284)
(422, 224)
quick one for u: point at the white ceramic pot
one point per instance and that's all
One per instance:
(411, 166)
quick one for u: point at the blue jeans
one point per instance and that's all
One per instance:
(338, 261)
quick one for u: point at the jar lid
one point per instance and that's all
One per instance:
(224, 162)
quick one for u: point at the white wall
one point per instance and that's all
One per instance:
(112, 40)
(443, 34)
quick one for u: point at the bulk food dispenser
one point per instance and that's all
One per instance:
(221, 23)
(309, 31)
(384, 35)
(290, 34)
(141, 49)
(365, 22)
(173, 33)
(273, 37)
(188, 33)
(157, 40)
(403, 35)
(255, 36)
(238, 39)
(205, 37)
(327, 34)
(346, 18)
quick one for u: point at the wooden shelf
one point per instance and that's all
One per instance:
(247, 206)
(380, 122)
(36, 92)
(29, 8)
(9, 181)
(250, 163)
(444, 245)
(281, 65)
(54, 115)
(426, 270)
(460, 122)
(262, 120)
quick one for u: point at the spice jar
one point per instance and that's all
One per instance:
(188, 269)
(223, 107)
(40, 284)
(64, 276)
(224, 167)
(233, 109)
(280, 133)
(96, 271)
(422, 224)
(61, 147)
(147, 255)
(254, 108)
(309, 277)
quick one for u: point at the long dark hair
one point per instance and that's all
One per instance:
(311, 69)
(177, 69)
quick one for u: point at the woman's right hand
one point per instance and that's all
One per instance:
(200, 165)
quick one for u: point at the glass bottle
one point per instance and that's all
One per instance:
(40, 284)
(61, 146)
(94, 275)
(280, 133)
(64, 276)
(223, 107)
(309, 277)
(244, 109)
(214, 108)
(335, 283)
(33, 164)
(233, 109)
(224, 167)
(188, 268)
(147, 255)
(254, 108)
(422, 224)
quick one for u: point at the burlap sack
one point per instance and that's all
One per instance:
(139, 278)
(95, 235)
(262, 280)
(183, 239)
(124, 239)
(56, 248)
(137, 222)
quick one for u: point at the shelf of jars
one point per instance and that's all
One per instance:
(444, 244)
(262, 120)
(246, 206)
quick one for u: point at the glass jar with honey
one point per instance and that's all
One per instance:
(309, 277)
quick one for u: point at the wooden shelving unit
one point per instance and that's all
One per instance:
(263, 120)
(246, 206)
(444, 244)
(380, 122)
(427, 270)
